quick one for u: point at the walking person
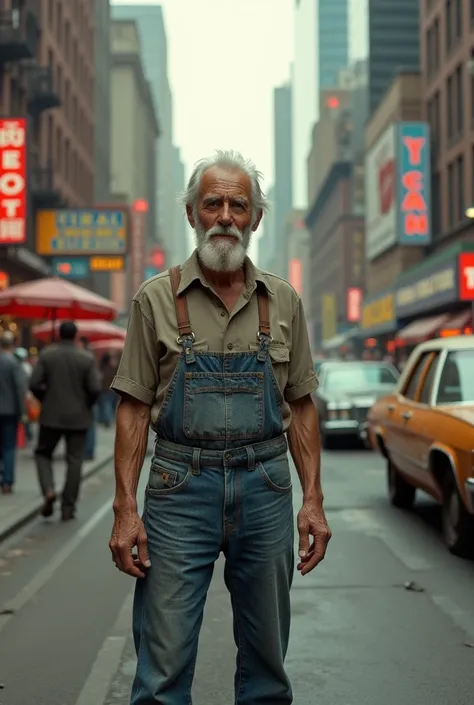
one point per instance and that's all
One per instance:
(217, 357)
(66, 382)
(91, 436)
(107, 400)
(12, 410)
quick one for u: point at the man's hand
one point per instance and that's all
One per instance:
(127, 533)
(312, 522)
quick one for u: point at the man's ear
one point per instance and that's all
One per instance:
(257, 220)
(190, 215)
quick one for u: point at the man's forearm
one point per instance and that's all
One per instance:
(132, 423)
(305, 447)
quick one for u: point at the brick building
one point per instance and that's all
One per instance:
(47, 76)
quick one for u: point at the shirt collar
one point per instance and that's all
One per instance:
(191, 272)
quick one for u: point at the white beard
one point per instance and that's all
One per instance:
(222, 255)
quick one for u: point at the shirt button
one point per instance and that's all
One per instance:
(222, 313)
(228, 456)
(230, 346)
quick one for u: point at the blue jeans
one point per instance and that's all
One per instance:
(107, 406)
(199, 503)
(91, 436)
(8, 436)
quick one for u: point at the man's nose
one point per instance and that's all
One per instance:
(225, 217)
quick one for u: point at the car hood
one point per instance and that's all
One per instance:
(361, 397)
(465, 413)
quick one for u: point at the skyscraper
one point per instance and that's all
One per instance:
(283, 179)
(394, 43)
(151, 27)
(321, 50)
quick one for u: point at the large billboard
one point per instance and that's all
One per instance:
(81, 232)
(13, 197)
(398, 197)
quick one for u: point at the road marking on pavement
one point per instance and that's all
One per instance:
(107, 663)
(461, 618)
(44, 575)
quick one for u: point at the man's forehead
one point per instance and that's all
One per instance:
(225, 180)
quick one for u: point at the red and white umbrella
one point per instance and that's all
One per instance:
(92, 330)
(112, 345)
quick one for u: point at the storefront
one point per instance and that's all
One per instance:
(436, 298)
(378, 324)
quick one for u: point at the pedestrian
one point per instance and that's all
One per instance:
(21, 355)
(91, 437)
(66, 382)
(217, 356)
(107, 403)
(12, 410)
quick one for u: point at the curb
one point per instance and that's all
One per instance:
(33, 513)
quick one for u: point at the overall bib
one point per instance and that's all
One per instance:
(219, 482)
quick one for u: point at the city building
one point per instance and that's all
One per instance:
(151, 27)
(102, 117)
(297, 253)
(394, 43)
(181, 244)
(47, 77)
(283, 181)
(266, 234)
(134, 135)
(321, 49)
(336, 258)
(333, 40)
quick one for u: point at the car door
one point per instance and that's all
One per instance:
(401, 439)
(424, 424)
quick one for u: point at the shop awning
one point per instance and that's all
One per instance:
(458, 321)
(422, 329)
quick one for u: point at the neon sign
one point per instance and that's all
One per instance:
(414, 183)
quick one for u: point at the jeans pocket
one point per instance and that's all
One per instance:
(276, 474)
(167, 477)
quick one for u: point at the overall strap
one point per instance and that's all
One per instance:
(180, 303)
(263, 313)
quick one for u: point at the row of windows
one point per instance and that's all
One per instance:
(453, 32)
(457, 197)
(453, 103)
(67, 162)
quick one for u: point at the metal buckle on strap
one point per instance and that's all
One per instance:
(189, 336)
(264, 336)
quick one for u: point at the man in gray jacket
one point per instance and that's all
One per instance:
(12, 408)
(66, 382)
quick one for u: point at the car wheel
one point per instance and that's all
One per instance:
(457, 523)
(401, 493)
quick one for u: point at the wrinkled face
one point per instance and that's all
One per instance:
(222, 218)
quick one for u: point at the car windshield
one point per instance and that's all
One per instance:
(359, 377)
(456, 384)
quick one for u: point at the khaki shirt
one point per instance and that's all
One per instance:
(151, 348)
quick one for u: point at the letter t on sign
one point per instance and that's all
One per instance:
(414, 147)
(469, 278)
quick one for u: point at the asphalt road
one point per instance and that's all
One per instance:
(359, 635)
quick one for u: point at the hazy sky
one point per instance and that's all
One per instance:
(225, 58)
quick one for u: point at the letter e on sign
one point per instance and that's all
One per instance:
(466, 276)
(12, 181)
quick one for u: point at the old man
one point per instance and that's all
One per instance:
(217, 357)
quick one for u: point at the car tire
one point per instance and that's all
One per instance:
(400, 492)
(457, 523)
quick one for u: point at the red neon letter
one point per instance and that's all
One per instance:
(413, 201)
(414, 146)
(413, 180)
(416, 224)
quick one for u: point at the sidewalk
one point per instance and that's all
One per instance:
(26, 501)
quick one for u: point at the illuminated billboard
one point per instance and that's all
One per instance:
(81, 232)
(397, 189)
(13, 197)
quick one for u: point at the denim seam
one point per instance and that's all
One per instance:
(144, 601)
(239, 645)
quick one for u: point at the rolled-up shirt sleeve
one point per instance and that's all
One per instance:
(138, 371)
(302, 379)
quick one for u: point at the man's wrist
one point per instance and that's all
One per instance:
(125, 504)
(313, 495)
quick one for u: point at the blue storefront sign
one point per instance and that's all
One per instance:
(70, 267)
(413, 183)
(428, 288)
(91, 232)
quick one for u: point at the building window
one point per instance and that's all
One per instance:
(460, 188)
(436, 46)
(472, 11)
(429, 52)
(449, 26)
(451, 195)
(450, 108)
(459, 100)
(458, 19)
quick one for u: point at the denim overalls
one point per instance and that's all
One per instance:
(219, 482)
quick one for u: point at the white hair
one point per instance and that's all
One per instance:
(231, 160)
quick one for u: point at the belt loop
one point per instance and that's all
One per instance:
(196, 461)
(250, 458)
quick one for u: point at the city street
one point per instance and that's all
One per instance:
(389, 614)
